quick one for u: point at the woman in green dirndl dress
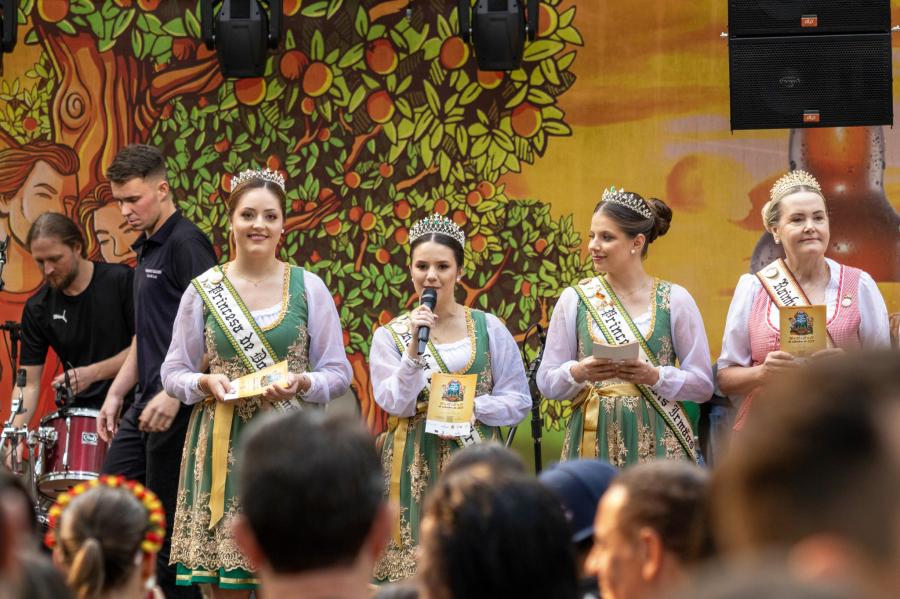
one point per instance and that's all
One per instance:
(252, 313)
(462, 341)
(632, 410)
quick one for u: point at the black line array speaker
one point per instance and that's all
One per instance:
(786, 71)
(789, 17)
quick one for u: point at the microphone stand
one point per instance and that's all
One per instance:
(4, 245)
(536, 420)
(531, 375)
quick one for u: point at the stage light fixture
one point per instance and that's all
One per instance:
(241, 32)
(9, 25)
(497, 30)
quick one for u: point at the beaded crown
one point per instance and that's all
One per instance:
(627, 199)
(266, 175)
(793, 179)
(437, 224)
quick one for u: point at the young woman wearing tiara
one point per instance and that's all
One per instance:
(462, 341)
(632, 410)
(797, 217)
(253, 312)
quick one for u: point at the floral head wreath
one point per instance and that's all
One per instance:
(156, 515)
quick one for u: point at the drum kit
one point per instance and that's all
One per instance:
(62, 451)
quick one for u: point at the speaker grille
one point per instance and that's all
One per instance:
(815, 81)
(782, 17)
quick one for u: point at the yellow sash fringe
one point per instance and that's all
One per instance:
(221, 437)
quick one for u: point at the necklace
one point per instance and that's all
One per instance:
(257, 282)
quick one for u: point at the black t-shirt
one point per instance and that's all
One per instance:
(167, 261)
(82, 329)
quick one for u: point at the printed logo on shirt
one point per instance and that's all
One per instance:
(61, 317)
(153, 273)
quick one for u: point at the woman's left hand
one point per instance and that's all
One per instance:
(287, 390)
(637, 372)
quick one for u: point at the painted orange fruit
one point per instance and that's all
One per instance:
(317, 79)
(352, 180)
(292, 64)
(382, 256)
(473, 198)
(486, 189)
(367, 223)
(441, 206)
(526, 119)
(380, 106)
(381, 57)
(250, 91)
(355, 214)
(490, 79)
(454, 53)
(53, 11)
(290, 7)
(402, 209)
(478, 242)
(540, 245)
(333, 227)
(401, 235)
(460, 218)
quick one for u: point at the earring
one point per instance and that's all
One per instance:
(282, 231)
(777, 241)
(632, 252)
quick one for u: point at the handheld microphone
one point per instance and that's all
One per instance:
(429, 298)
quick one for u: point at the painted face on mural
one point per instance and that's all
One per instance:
(57, 261)
(43, 191)
(803, 226)
(140, 201)
(114, 235)
(257, 223)
(434, 265)
(615, 558)
(610, 247)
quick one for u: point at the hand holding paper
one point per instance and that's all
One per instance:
(451, 404)
(255, 383)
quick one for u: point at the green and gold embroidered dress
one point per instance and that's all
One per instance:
(413, 459)
(619, 421)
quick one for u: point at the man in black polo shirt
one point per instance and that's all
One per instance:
(84, 311)
(171, 251)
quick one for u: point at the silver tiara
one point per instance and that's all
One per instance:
(251, 174)
(437, 224)
(627, 199)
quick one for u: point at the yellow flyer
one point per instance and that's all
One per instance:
(451, 404)
(255, 383)
(803, 329)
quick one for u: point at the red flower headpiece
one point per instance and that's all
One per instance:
(156, 515)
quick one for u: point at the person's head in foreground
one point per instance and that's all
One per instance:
(485, 537)
(501, 460)
(651, 527)
(579, 485)
(314, 515)
(105, 535)
(815, 475)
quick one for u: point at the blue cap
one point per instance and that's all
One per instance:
(579, 485)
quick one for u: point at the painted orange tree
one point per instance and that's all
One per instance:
(376, 115)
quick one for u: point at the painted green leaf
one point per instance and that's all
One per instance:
(541, 49)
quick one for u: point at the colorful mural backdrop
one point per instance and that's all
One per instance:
(378, 116)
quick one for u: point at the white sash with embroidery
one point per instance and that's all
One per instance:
(402, 333)
(784, 290)
(238, 325)
(618, 329)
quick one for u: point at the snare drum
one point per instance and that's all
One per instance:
(69, 450)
